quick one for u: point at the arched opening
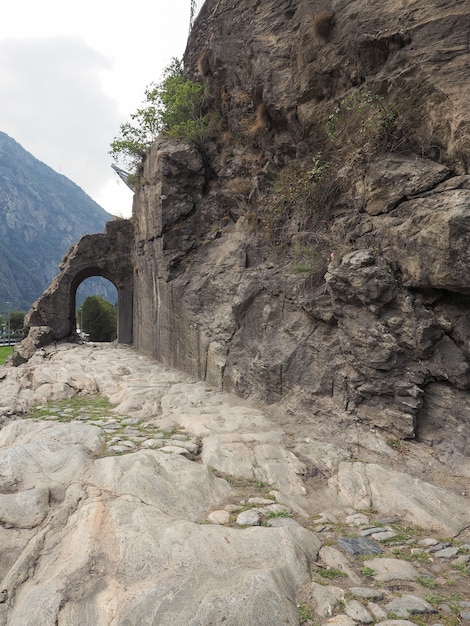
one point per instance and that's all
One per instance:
(107, 255)
(96, 301)
(97, 280)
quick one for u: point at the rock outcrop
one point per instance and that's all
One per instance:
(310, 256)
(358, 294)
(181, 504)
(315, 244)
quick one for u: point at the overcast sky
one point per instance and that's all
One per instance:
(71, 73)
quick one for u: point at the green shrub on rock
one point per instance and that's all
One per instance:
(174, 107)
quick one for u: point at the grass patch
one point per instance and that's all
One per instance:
(405, 533)
(330, 574)
(367, 571)
(305, 612)
(421, 557)
(427, 581)
(73, 407)
(274, 514)
(463, 568)
(5, 352)
(451, 600)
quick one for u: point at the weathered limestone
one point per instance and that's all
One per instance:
(90, 534)
(365, 485)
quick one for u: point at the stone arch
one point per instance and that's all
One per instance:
(78, 279)
(108, 254)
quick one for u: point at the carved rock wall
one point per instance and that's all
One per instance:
(390, 318)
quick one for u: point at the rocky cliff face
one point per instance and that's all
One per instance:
(42, 213)
(317, 243)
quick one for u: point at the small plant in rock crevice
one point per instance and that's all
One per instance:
(305, 613)
(367, 571)
(360, 119)
(427, 581)
(330, 573)
(397, 444)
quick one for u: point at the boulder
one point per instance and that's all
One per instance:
(368, 485)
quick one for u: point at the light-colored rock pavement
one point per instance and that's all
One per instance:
(177, 504)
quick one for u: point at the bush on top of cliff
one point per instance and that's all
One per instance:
(174, 107)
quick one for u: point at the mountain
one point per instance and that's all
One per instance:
(42, 213)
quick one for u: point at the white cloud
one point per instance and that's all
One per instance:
(63, 94)
(54, 105)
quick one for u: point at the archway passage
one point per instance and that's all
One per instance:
(105, 254)
(96, 309)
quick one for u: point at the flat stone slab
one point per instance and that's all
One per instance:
(249, 518)
(326, 598)
(396, 622)
(340, 620)
(358, 612)
(408, 604)
(367, 592)
(391, 569)
(359, 545)
(446, 553)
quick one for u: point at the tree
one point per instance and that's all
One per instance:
(175, 107)
(16, 322)
(99, 319)
(13, 321)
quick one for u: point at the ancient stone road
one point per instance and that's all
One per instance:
(180, 504)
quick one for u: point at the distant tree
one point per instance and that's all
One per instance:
(173, 107)
(99, 319)
(16, 322)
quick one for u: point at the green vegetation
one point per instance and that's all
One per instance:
(99, 319)
(427, 581)
(367, 571)
(405, 533)
(305, 260)
(93, 404)
(341, 606)
(295, 187)
(359, 119)
(13, 323)
(5, 352)
(175, 107)
(396, 444)
(408, 555)
(463, 568)
(305, 613)
(330, 574)
(275, 514)
(451, 600)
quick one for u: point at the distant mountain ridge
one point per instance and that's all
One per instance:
(42, 213)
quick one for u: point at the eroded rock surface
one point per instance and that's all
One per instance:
(179, 503)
